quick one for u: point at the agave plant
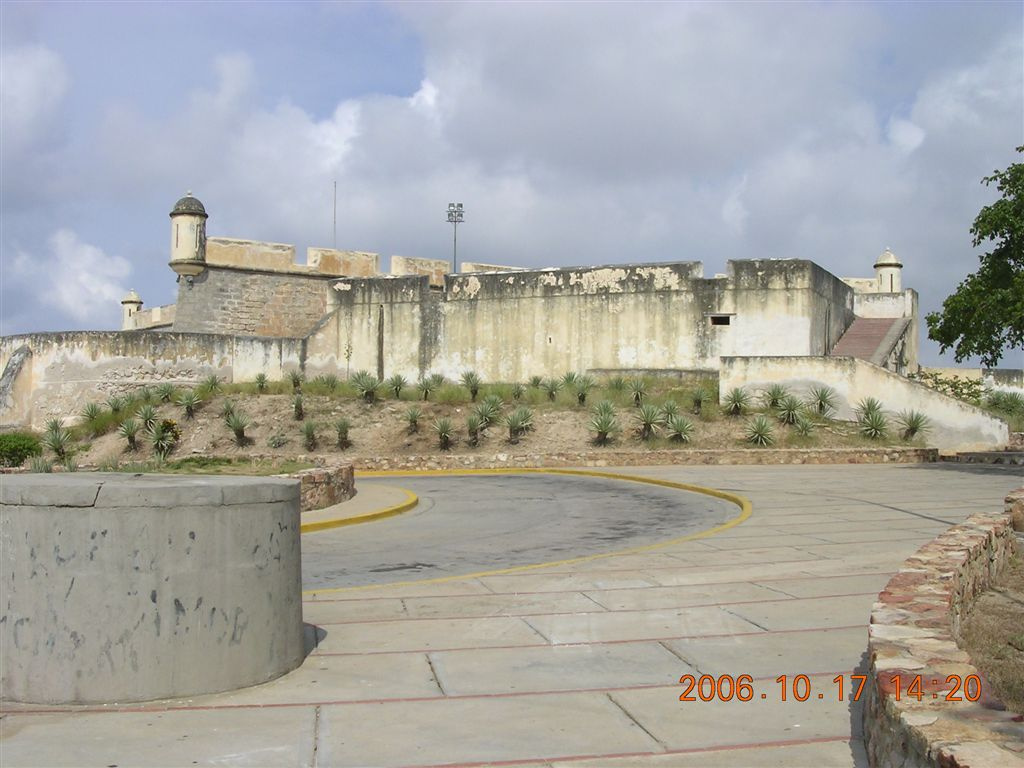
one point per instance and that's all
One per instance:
(637, 390)
(583, 385)
(616, 384)
(913, 423)
(262, 383)
(445, 431)
(341, 428)
(569, 379)
(473, 427)
(680, 428)
(329, 382)
(396, 384)
(471, 381)
(425, 386)
(237, 422)
(789, 409)
(227, 408)
(774, 394)
(551, 388)
(295, 377)
(412, 418)
(669, 409)
(487, 411)
(823, 400)
(438, 380)
(648, 419)
(211, 384)
(519, 421)
(55, 424)
(164, 392)
(605, 406)
(737, 401)
(40, 464)
(189, 400)
(873, 424)
(309, 436)
(518, 390)
(1002, 401)
(298, 410)
(129, 430)
(115, 403)
(91, 412)
(700, 396)
(759, 431)
(803, 426)
(536, 381)
(866, 406)
(366, 385)
(59, 441)
(147, 415)
(604, 423)
(144, 394)
(163, 436)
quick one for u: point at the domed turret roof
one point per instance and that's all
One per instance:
(189, 205)
(887, 259)
(131, 298)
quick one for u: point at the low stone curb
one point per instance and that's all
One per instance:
(613, 458)
(915, 626)
(321, 487)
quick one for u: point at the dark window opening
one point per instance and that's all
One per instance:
(720, 319)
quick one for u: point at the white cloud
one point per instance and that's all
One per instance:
(33, 83)
(79, 280)
(734, 212)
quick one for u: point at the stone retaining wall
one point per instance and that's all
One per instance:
(614, 458)
(915, 626)
(321, 487)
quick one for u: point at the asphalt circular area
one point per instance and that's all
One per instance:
(469, 523)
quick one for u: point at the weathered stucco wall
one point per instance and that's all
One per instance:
(955, 425)
(510, 325)
(65, 370)
(156, 317)
(251, 303)
(903, 304)
(435, 269)
(330, 261)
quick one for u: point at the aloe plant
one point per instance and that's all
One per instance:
(803, 426)
(91, 412)
(823, 400)
(298, 409)
(774, 394)
(129, 430)
(789, 409)
(616, 384)
(115, 403)
(648, 419)
(680, 428)
(227, 408)
(425, 386)
(874, 425)
(637, 390)
(262, 383)
(165, 392)
(913, 423)
(396, 384)
(569, 379)
(487, 412)
(866, 406)
(604, 424)
(189, 400)
(737, 401)
(445, 431)
(700, 396)
(237, 422)
(471, 381)
(412, 418)
(341, 429)
(759, 431)
(473, 427)
(518, 390)
(583, 385)
(58, 441)
(366, 386)
(536, 381)
(211, 384)
(669, 409)
(309, 435)
(551, 388)
(144, 394)
(518, 421)
(295, 377)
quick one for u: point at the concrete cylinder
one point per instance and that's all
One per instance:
(120, 587)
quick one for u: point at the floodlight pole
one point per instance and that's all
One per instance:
(455, 216)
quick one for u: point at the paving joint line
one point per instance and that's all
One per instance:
(636, 722)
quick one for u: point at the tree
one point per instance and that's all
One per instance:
(985, 316)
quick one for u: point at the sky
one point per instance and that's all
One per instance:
(574, 133)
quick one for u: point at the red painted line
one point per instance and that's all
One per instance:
(863, 626)
(588, 613)
(610, 589)
(376, 702)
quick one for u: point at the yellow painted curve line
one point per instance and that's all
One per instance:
(746, 509)
(411, 500)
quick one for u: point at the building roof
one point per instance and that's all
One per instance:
(887, 259)
(131, 298)
(189, 205)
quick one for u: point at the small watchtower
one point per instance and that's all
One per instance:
(130, 305)
(188, 237)
(888, 273)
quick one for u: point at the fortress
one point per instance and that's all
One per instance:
(246, 307)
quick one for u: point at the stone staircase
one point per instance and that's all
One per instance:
(871, 338)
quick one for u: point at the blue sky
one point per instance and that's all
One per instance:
(574, 133)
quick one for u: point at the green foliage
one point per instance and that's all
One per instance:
(438, 380)
(616, 384)
(211, 385)
(679, 428)
(789, 409)
(309, 436)
(395, 384)
(551, 388)
(471, 381)
(298, 410)
(867, 406)
(227, 408)
(913, 423)
(296, 379)
(968, 390)
(518, 421)
(473, 427)
(262, 382)
(90, 415)
(605, 425)
(774, 394)
(412, 418)
(873, 424)
(69, 464)
(583, 385)
(1004, 402)
(569, 379)
(803, 426)
(40, 465)
(426, 386)
(445, 431)
(637, 390)
(341, 429)
(237, 421)
(329, 381)
(701, 395)
(115, 403)
(15, 447)
(164, 392)
(488, 411)
(759, 431)
(985, 315)
(536, 381)
(189, 400)
(366, 385)
(648, 419)
(518, 390)
(129, 430)
(144, 394)
(163, 436)
(57, 439)
(822, 399)
(669, 409)
(277, 440)
(737, 401)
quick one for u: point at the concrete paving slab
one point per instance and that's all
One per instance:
(539, 581)
(426, 634)
(210, 737)
(836, 585)
(638, 625)
(806, 613)
(831, 753)
(499, 605)
(477, 730)
(324, 612)
(559, 668)
(673, 597)
(409, 589)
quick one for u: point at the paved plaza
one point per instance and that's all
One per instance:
(572, 664)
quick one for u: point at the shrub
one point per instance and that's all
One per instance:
(425, 386)
(189, 400)
(15, 447)
(396, 384)
(759, 431)
(309, 437)
(366, 385)
(438, 380)
(164, 392)
(774, 394)
(700, 396)
(444, 429)
(211, 385)
(471, 381)
(297, 409)
(295, 377)
(519, 421)
(604, 423)
(913, 423)
(551, 388)
(277, 440)
(40, 465)
(789, 409)
(473, 427)
(616, 384)
(1011, 403)
(648, 418)
(328, 381)
(518, 390)
(823, 400)
(874, 425)
(867, 406)
(163, 436)
(58, 440)
(737, 401)
(803, 426)
(237, 422)
(412, 418)
(129, 430)
(569, 379)
(91, 414)
(144, 394)
(261, 383)
(115, 403)
(536, 381)
(680, 428)
(341, 428)
(583, 385)
(637, 390)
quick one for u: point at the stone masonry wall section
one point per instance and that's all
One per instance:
(915, 627)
